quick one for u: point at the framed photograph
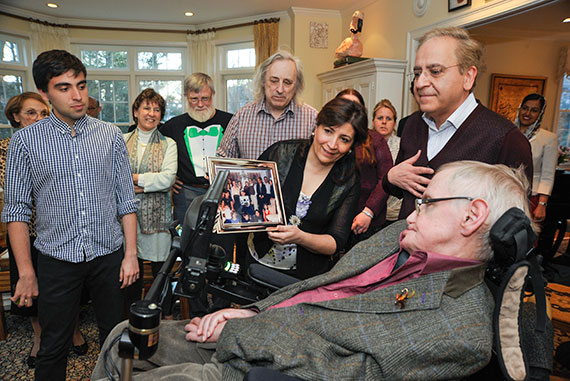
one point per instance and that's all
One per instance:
(454, 5)
(251, 200)
(508, 91)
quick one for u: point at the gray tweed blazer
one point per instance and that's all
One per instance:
(443, 332)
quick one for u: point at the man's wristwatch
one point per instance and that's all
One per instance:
(542, 203)
(368, 214)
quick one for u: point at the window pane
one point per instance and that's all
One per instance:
(113, 95)
(170, 90)
(238, 94)
(10, 51)
(564, 119)
(159, 61)
(239, 58)
(104, 59)
(10, 85)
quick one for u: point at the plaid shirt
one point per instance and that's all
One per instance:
(80, 184)
(253, 129)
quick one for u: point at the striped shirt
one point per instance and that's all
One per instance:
(438, 137)
(253, 129)
(81, 185)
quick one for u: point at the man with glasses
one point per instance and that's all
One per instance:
(93, 108)
(452, 125)
(197, 134)
(408, 303)
(277, 113)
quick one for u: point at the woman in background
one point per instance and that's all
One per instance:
(21, 111)
(154, 163)
(320, 190)
(373, 161)
(544, 147)
(384, 119)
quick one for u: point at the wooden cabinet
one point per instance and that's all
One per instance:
(375, 79)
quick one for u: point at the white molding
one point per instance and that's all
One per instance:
(94, 41)
(369, 66)
(315, 12)
(137, 25)
(357, 5)
(240, 20)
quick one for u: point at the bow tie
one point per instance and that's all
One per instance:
(195, 132)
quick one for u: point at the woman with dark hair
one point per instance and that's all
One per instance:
(320, 190)
(544, 147)
(154, 162)
(373, 160)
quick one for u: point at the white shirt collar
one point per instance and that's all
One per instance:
(456, 119)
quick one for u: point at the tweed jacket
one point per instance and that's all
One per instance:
(443, 331)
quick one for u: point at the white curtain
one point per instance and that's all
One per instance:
(202, 52)
(48, 37)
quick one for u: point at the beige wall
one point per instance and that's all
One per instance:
(314, 60)
(387, 22)
(533, 58)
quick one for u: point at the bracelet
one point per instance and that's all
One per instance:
(542, 203)
(368, 214)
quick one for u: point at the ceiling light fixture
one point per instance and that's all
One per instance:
(567, 19)
(52, 5)
(189, 14)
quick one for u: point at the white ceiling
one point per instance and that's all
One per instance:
(168, 11)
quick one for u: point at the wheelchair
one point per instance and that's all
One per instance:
(204, 269)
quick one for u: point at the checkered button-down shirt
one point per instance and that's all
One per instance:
(81, 185)
(253, 129)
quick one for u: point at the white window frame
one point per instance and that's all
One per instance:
(231, 73)
(147, 77)
(110, 48)
(559, 109)
(24, 52)
(134, 74)
(21, 68)
(115, 77)
(160, 50)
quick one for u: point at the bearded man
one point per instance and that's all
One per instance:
(197, 135)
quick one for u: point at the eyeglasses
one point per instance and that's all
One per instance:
(33, 113)
(195, 100)
(426, 201)
(432, 71)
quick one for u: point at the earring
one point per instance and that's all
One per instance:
(313, 134)
(350, 151)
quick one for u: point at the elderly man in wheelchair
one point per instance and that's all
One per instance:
(408, 303)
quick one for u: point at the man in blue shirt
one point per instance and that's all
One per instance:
(75, 169)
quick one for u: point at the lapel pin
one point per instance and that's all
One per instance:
(402, 296)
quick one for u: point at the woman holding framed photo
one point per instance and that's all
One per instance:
(320, 190)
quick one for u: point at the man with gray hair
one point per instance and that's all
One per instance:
(197, 134)
(452, 125)
(275, 115)
(93, 108)
(408, 303)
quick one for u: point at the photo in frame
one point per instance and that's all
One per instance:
(454, 5)
(508, 91)
(251, 200)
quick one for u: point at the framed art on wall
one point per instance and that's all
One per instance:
(454, 5)
(508, 91)
(251, 200)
